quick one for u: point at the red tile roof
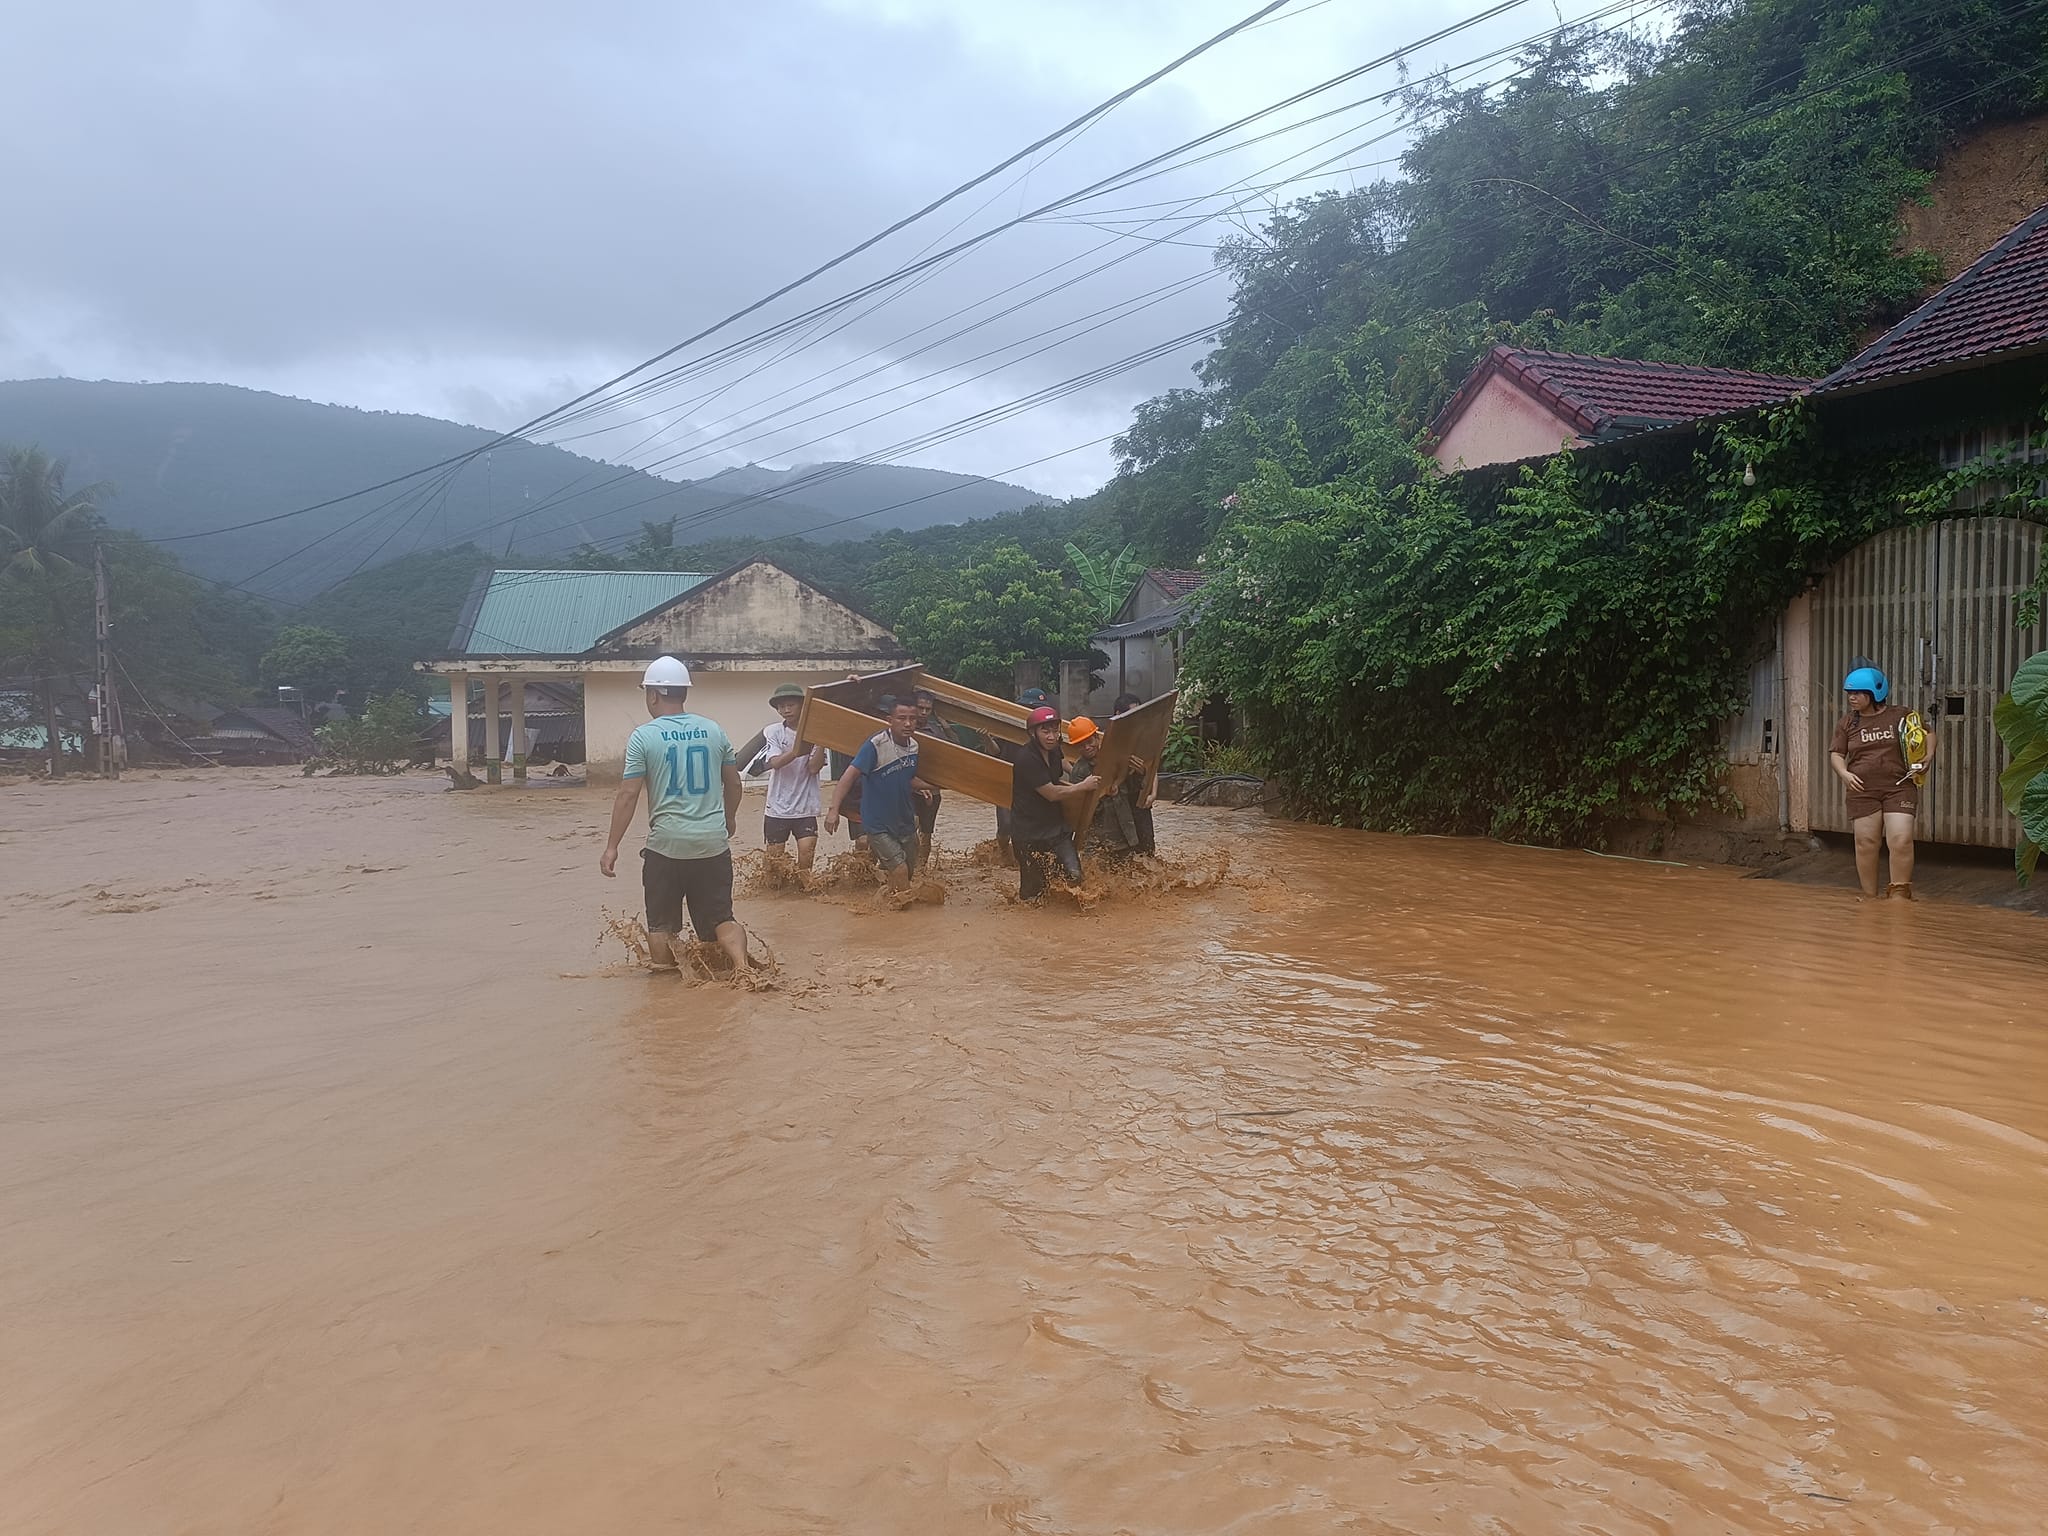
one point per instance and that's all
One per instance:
(1998, 306)
(1611, 396)
(1176, 584)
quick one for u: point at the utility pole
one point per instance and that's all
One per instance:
(105, 705)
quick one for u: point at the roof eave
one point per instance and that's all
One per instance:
(1939, 370)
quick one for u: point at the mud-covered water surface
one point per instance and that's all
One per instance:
(350, 1181)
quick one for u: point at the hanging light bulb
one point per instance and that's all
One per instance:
(1749, 474)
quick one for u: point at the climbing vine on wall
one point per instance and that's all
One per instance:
(1532, 653)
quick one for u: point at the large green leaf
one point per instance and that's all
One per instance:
(2033, 812)
(2030, 686)
(2021, 772)
(2025, 857)
(2016, 728)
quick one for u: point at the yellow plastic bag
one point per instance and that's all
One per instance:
(1915, 743)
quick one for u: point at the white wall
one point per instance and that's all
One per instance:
(614, 705)
(1502, 424)
(761, 611)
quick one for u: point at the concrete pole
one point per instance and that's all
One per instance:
(494, 768)
(518, 730)
(458, 723)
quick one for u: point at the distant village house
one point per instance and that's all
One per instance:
(590, 634)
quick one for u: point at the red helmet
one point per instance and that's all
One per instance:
(1043, 715)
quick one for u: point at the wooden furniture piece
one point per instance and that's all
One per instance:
(843, 715)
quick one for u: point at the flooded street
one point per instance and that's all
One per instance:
(1393, 1186)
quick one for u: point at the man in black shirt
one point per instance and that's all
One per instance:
(1037, 786)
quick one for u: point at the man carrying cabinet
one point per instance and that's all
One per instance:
(692, 778)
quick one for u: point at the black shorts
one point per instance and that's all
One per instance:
(706, 884)
(927, 807)
(777, 830)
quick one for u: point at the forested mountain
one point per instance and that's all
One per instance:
(182, 457)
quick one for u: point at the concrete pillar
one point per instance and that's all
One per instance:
(494, 768)
(518, 730)
(1799, 721)
(458, 722)
(1073, 693)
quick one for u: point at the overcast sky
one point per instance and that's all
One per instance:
(477, 210)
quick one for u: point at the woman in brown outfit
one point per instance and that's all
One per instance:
(1884, 795)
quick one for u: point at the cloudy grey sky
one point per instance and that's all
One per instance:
(478, 208)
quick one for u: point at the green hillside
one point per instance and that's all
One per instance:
(184, 457)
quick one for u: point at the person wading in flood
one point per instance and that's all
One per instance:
(1030, 698)
(692, 778)
(793, 770)
(1038, 783)
(885, 773)
(1115, 832)
(1869, 757)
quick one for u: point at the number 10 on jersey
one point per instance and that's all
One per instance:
(695, 777)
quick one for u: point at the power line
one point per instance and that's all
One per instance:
(816, 272)
(706, 515)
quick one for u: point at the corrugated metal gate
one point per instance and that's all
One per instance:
(1933, 607)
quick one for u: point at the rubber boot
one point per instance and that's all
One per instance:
(1899, 892)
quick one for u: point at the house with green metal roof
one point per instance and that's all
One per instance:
(743, 632)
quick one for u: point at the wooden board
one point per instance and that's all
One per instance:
(982, 712)
(942, 763)
(862, 692)
(1138, 733)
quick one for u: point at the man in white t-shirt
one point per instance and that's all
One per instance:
(793, 769)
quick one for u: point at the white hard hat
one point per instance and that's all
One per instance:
(666, 672)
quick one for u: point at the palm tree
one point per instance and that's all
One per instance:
(44, 532)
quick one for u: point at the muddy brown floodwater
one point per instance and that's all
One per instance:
(1391, 1186)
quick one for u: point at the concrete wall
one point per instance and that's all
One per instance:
(1145, 600)
(1503, 423)
(614, 705)
(761, 611)
(1148, 671)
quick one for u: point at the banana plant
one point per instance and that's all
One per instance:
(2022, 721)
(1107, 580)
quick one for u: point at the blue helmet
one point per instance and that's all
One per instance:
(1867, 680)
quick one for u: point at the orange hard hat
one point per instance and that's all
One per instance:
(1079, 729)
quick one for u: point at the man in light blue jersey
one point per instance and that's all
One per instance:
(692, 778)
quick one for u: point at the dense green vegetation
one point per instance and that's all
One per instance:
(175, 637)
(2022, 718)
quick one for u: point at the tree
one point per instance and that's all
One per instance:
(380, 740)
(2022, 720)
(307, 657)
(976, 624)
(45, 535)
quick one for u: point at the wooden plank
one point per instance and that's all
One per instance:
(982, 712)
(862, 692)
(1136, 734)
(824, 723)
(952, 766)
(942, 763)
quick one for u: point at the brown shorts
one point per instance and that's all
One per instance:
(1902, 799)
